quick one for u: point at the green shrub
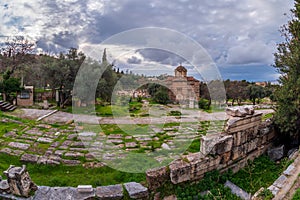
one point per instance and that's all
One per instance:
(204, 104)
(174, 113)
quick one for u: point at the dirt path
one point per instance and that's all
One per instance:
(63, 117)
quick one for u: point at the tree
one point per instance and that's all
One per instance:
(9, 85)
(287, 62)
(236, 91)
(15, 53)
(161, 96)
(256, 92)
(108, 80)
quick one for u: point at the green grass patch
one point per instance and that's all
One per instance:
(213, 182)
(296, 195)
(267, 116)
(195, 146)
(260, 173)
(71, 175)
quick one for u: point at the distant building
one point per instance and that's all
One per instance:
(263, 84)
(25, 97)
(183, 89)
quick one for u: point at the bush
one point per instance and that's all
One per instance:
(204, 104)
(174, 113)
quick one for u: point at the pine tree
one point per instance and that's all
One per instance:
(287, 62)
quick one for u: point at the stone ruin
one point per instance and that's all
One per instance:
(19, 186)
(245, 137)
(18, 182)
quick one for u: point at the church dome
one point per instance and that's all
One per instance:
(181, 69)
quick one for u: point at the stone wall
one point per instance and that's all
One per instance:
(245, 138)
(19, 186)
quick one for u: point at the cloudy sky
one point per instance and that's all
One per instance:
(239, 35)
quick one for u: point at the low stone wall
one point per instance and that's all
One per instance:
(245, 138)
(19, 186)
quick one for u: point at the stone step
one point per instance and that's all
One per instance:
(5, 106)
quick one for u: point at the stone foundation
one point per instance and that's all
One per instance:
(245, 138)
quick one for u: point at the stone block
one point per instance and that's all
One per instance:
(19, 181)
(290, 170)
(238, 191)
(87, 134)
(84, 188)
(276, 153)
(237, 139)
(214, 161)
(180, 171)
(264, 131)
(52, 162)
(249, 110)
(111, 192)
(4, 187)
(199, 168)
(130, 144)
(42, 160)
(31, 158)
(237, 111)
(71, 162)
(208, 142)
(19, 145)
(136, 190)
(279, 183)
(250, 146)
(225, 157)
(45, 140)
(243, 127)
(223, 145)
(74, 154)
(157, 177)
(271, 135)
(274, 189)
(235, 124)
(58, 193)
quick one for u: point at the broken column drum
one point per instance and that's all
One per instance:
(19, 181)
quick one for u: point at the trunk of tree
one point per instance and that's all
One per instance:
(4, 97)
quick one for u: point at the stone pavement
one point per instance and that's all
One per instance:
(45, 143)
(73, 145)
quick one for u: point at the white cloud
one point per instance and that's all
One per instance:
(232, 31)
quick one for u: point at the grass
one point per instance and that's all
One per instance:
(267, 116)
(296, 195)
(194, 147)
(262, 172)
(71, 175)
(133, 108)
(213, 183)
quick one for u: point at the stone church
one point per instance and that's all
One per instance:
(183, 89)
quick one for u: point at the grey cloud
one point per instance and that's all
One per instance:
(228, 30)
(134, 60)
(161, 56)
(66, 40)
